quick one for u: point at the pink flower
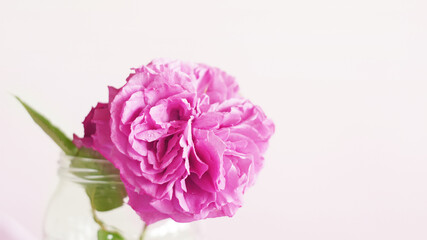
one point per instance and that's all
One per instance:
(186, 144)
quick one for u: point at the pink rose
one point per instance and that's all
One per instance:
(186, 144)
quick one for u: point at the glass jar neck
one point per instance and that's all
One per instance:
(88, 170)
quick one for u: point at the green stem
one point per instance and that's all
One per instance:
(96, 219)
(144, 229)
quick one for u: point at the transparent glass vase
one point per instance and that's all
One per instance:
(89, 203)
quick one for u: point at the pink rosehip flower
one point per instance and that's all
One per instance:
(186, 144)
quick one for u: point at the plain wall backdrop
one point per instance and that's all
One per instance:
(344, 81)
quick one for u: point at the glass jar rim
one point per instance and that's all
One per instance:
(88, 170)
(64, 156)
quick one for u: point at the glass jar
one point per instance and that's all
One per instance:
(90, 203)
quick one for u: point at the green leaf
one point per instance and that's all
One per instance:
(106, 235)
(105, 197)
(103, 185)
(88, 153)
(55, 133)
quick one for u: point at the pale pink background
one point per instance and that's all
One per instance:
(345, 82)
